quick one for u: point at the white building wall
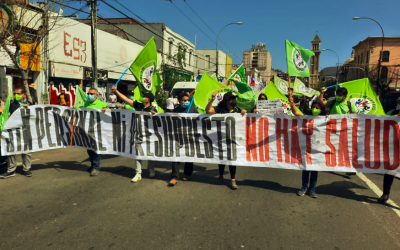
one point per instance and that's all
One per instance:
(201, 57)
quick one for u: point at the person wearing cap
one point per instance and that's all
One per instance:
(184, 107)
(146, 106)
(227, 105)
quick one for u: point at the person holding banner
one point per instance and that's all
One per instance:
(227, 105)
(19, 101)
(94, 103)
(309, 178)
(261, 97)
(183, 107)
(146, 106)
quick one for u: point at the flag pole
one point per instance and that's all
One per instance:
(216, 92)
(119, 79)
(290, 91)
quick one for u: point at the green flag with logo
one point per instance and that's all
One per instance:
(297, 58)
(281, 85)
(273, 93)
(361, 93)
(80, 99)
(144, 67)
(205, 89)
(239, 76)
(301, 89)
(5, 114)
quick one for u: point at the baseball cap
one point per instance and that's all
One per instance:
(229, 96)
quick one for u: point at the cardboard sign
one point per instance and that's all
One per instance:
(270, 107)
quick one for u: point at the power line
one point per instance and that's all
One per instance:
(207, 27)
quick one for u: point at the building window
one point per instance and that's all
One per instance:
(190, 57)
(358, 60)
(385, 56)
(208, 60)
(362, 58)
(170, 48)
(384, 73)
(367, 58)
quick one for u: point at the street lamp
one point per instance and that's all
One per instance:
(216, 51)
(338, 62)
(383, 38)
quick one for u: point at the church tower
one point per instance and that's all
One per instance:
(314, 62)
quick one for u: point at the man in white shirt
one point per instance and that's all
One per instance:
(112, 98)
(169, 104)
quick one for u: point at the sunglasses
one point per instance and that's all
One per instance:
(91, 93)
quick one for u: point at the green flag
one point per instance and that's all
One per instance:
(361, 93)
(273, 93)
(214, 77)
(5, 114)
(205, 89)
(144, 67)
(239, 76)
(300, 88)
(281, 85)
(80, 99)
(297, 58)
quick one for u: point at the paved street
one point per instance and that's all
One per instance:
(61, 207)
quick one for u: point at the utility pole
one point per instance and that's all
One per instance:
(397, 77)
(94, 43)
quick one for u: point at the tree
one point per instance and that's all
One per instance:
(170, 74)
(23, 32)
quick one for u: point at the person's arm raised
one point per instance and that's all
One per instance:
(123, 97)
(295, 111)
(321, 97)
(209, 108)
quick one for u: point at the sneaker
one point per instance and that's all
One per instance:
(384, 198)
(28, 173)
(233, 185)
(136, 178)
(220, 180)
(6, 175)
(173, 182)
(186, 178)
(152, 173)
(313, 194)
(302, 191)
(94, 172)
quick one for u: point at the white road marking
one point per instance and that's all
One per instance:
(378, 192)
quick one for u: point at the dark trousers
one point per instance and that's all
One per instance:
(232, 170)
(387, 183)
(94, 159)
(187, 170)
(306, 178)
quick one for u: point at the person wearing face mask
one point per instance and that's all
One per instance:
(94, 103)
(339, 105)
(309, 178)
(146, 106)
(183, 107)
(227, 105)
(19, 101)
(261, 97)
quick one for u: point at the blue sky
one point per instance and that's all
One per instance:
(270, 22)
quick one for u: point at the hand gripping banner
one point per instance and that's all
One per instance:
(348, 143)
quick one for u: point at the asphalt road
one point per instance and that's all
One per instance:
(62, 207)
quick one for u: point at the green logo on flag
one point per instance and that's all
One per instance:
(298, 62)
(364, 104)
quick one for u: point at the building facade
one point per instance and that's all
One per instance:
(314, 62)
(205, 61)
(259, 57)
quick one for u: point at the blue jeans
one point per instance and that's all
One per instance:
(94, 159)
(313, 179)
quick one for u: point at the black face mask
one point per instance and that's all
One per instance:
(234, 102)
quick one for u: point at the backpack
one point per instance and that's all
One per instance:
(333, 104)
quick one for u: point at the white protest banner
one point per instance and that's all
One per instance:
(269, 107)
(347, 143)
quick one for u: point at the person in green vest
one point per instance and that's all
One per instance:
(94, 103)
(146, 106)
(339, 106)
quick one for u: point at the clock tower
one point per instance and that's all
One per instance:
(314, 62)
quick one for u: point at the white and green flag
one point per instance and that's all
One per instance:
(297, 58)
(301, 89)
